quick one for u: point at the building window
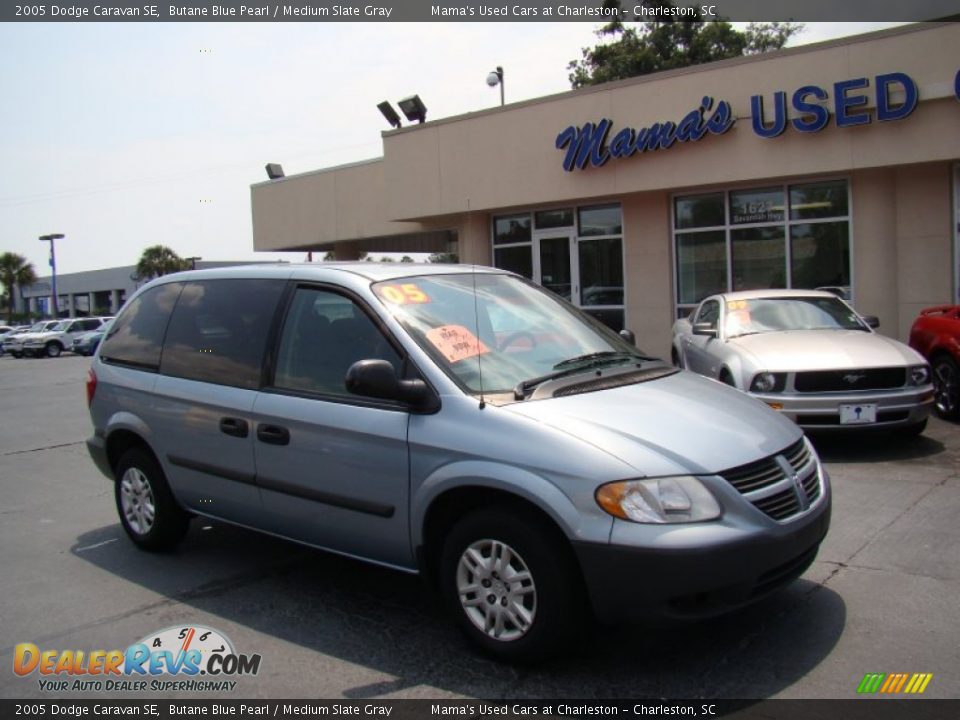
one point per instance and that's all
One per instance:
(576, 253)
(790, 236)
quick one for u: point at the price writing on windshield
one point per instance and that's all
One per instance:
(405, 294)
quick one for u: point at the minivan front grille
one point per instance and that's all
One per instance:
(780, 486)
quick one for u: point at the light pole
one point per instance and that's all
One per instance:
(193, 261)
(53, 268)
(494, 78)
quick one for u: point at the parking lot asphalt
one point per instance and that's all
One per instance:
(883, 595)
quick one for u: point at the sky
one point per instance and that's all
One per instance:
(124, 135)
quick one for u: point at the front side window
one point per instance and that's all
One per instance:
(218, 331)
(492, 332)
(323, 335)
(136, 336)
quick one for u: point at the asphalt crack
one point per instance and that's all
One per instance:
(41, 449)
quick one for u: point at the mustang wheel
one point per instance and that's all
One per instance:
(946, 385)
(148, 511)
(511, 584)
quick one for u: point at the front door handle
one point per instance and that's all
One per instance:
(236, 427)
(273, 434)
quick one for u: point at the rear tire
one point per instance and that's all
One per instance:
(148, 511)
(512, 585)
(946, 386)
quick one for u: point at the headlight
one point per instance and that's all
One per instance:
(768, 382)
(919, 375)
(681, 499)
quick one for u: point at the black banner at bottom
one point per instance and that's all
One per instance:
(858, 709)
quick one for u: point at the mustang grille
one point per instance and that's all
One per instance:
(850, 380)
(771, 489)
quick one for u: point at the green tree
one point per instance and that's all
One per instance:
(406, 259)
(667, 44)
(158, 260)
(14, 271)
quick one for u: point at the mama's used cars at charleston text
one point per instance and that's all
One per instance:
(462, 423)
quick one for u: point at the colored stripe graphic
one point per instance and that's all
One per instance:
(895, 683)
(870, 683)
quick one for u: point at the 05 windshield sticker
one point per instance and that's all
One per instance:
(456, 343)
(403, 294)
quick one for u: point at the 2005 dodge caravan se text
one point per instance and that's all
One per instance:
(454, 421)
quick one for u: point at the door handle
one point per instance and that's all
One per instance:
(237, 427)
(273, 434)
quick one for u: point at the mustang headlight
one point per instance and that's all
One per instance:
(919, 374)
(680, 499)
(768, 382)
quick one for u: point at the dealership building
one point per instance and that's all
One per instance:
(833, 164)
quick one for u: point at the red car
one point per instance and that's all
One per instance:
(936, 336)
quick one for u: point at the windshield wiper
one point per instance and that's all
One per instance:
(572, 366)
(598, 358)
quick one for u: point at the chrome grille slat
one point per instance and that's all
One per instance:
(769, 486)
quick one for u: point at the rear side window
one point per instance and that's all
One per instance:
(219, 330)
(136, 336)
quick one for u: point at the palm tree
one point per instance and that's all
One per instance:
(158, 260)
(15, 271)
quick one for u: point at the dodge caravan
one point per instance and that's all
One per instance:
(458, 422)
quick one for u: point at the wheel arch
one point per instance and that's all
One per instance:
(447, 507)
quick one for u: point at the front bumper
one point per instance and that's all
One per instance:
(812, 411)
(703, 579)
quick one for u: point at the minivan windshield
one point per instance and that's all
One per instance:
(494, 333)
(764, 315)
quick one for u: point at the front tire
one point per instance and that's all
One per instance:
(946, 387)
(511, 583)
(148, 511)
(54, 350)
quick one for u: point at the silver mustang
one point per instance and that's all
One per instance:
(809, 355)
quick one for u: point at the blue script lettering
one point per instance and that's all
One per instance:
(588, 144)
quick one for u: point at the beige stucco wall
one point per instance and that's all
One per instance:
(320, 208)
(648, 274)
(924, 240)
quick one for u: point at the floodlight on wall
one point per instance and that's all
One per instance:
(386, 109)
(494, 78)
(413, 108)
(274, 171)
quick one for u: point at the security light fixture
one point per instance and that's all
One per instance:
(386, 109)
(275, 171)
(494, 78)
(413, 108)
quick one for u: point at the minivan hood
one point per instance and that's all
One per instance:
(824, 350)
(679, 424)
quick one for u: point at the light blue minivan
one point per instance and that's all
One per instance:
(455, 421)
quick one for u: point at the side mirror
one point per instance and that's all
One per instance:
(377, 379)
(871, 320)
(629, 336)
(703, 328)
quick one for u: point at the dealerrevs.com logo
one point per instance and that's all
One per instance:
(179, 658)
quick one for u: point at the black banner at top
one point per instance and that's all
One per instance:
(471, 11)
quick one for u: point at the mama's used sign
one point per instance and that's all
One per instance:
(592, 144)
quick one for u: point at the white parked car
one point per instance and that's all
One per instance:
(59, 338)
(13, 342)
(809, 355)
